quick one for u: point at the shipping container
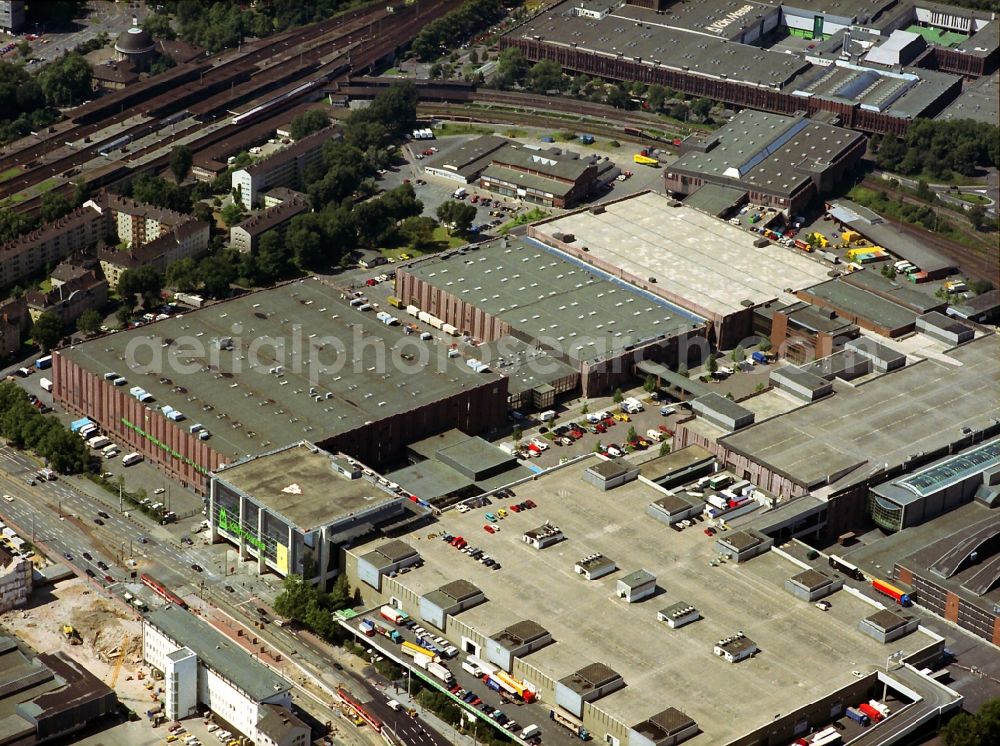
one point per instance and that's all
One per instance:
(470, 669)
(413, 650)
(385, 630)
(44, 362)
(367, 627)
(881, 707)
(440, 672)
(857, 716)
(46, 384)
(569, 721)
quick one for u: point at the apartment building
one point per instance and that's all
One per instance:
(46, 246)
(286, 168)
(245, 236)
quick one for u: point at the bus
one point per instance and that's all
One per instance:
(845, 567)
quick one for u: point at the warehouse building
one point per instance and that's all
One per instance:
(863, 436)
(687, 257)
(719, 50)
(47, 697)
(268, 369)
(592, 321)
(945, 329)
(203, 669)
(551, 177)
(801, 332)
(618, 691)
(296, 508)
(776, 161)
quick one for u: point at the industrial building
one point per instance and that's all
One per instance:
(586, 650)
(936, 489)
(15, 579)
(294, 509)
(862, 436)
(49, 696)
(685, 256)
(284, 168)
(451, 465)
(583, 316)
(203, 669)
(552, 177)
(268, 369)
(11, 15)
(801, 332)
(736, 54)
(951, 563)
(773, 160)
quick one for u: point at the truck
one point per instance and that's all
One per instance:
(46, 384)
(471, 669)
(718, 501)
(898, 595)
(43, 363)
(386, 631)
(858, 717)
(569, 721)
(873, 714)
(440, 672)
(460, 193)
(643, 159)
(760, 357)
(883, 708)
(99, 442)
(367, 627)
(394, 615)
(70, 633)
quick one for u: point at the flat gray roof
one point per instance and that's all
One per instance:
(525, 366)
(864, 304)
(900, 291)
(720, 404)
(843, 439)
(248, 409)
(977, 102)
(658, 41)
(768, 151)
(218, 653)
(586, 617)
(470, 157)
(299, 484)
(546, 295)
(693, 256)
(715, 199)
(942, 474)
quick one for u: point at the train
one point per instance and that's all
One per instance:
(162, 591)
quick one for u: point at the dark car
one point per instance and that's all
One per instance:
(261, 610)
(101, 564)
(196, 567)
(68, 556)
(87, 556)
(91, 573)
(109, 578)
(230, 589)
(103, 514)
(143, 540)
(98, 521)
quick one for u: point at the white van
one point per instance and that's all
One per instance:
(547, 416)
(530, 732)
(131, 458)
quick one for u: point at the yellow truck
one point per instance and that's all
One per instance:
(645, 160)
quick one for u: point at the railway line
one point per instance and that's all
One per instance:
(283, 70)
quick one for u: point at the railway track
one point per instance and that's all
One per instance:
(249, 73)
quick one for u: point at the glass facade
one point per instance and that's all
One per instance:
(885, 513)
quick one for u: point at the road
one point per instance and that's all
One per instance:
(944, 191)
(57, 516)
(110, 17)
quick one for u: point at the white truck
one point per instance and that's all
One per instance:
(46, 384)
(460, 193)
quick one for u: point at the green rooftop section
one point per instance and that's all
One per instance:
(937, 36)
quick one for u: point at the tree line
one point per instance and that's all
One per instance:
(29, 102)
(939, 148)
(23, 426)
(453, 28)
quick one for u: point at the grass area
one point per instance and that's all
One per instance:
(442, 240)
(10, 173)
(45, 285)
(528, 217)
(513, 132)
(971, 197)
(462, 128)
(394, 71)
(47, 185)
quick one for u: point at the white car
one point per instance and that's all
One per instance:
(9, 498)
(540, 444)
(614, 451)
(463, 508)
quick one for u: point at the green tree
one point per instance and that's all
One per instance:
(656, 96)
(764, 345)
(418, 231)
(216, 276)
(158, 26)
(180, 162)
(308, 122)
(48, 330)
(232, 214)
(713, 365)
(618, 97)
(546, 75)
(980, 729)
(458, 216)
(701, 107)
(585, 408)
(24, 49)
(54, 206)
(182, 275)
(142, 281)
(977, 216)
(273, 260)
(664, 448)
(89, 322)
(632, 434)
(649, 385)
(516, 434)
(738, 354)
(619, 397)
(474, 57)
(66, 81)
(512, 67)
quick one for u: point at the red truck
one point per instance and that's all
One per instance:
(873, 714)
